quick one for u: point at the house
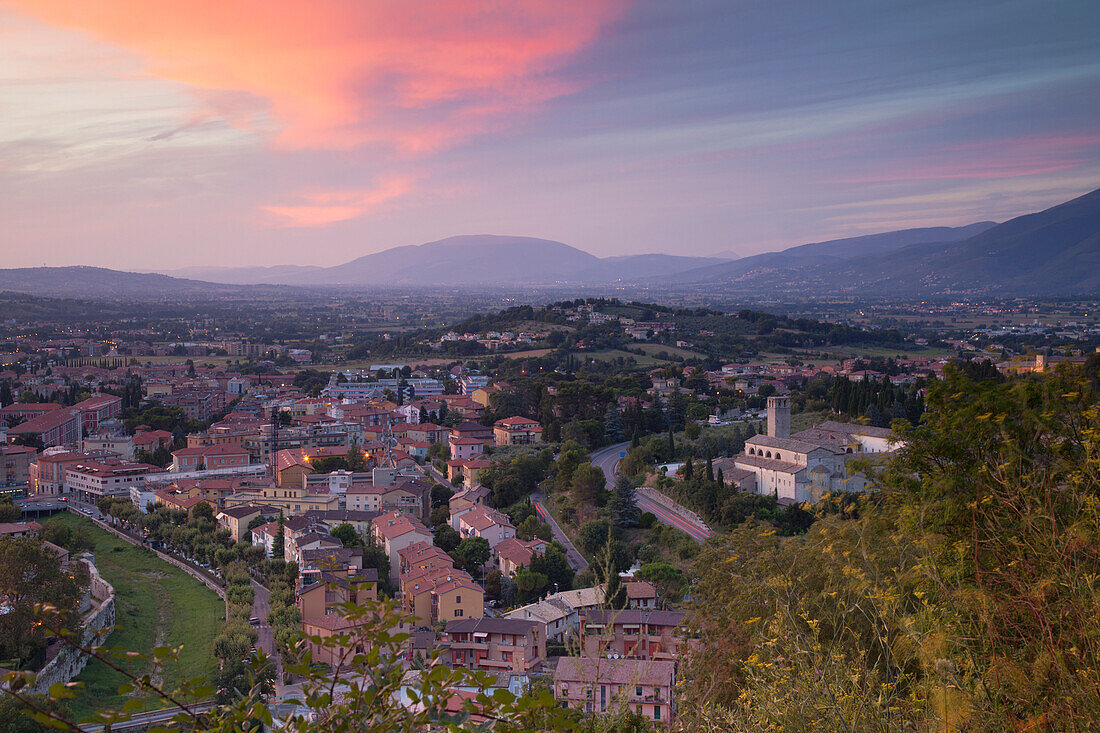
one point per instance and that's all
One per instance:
(20, 529)
(349, 631)
(499, 645)
(52, 428)
(47, 473)
(466, 447)
(332, 588)
(486, 523)
(266, 535)
(387, 492)
(555, 616)
(513, 553)
(91, 480)
(633, 633)
(237, 519)
(151, 440)
(435, 591)
(471, 429)
(15, 464)
(596, 685)
(96, 409)
(394, 532)
(426, 432)
(181, 501)
(295, 546)
(469, 469)
(209, 457)
(315, 561)
(291, 467)
(517, 431)
(640, 594)
(332, 518)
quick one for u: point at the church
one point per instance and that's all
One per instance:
(810, 463)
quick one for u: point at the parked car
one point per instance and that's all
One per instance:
(254, 621)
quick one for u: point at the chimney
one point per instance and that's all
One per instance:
(779, 417)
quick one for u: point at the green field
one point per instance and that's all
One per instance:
(157, 604)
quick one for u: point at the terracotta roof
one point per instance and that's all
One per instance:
(490, 625)
(516, 422)
(627, 672)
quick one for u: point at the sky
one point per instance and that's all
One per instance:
(176, 133)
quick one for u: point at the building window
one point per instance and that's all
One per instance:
(656, 712)
(638, 693)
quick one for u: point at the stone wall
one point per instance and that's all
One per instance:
(99, 622)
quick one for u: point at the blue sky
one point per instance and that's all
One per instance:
(185, 133)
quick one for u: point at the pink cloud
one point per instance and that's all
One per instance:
(338, 74)
(327, 207)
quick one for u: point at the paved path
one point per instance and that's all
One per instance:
(576, 559)
(670, 513)
(261, 604)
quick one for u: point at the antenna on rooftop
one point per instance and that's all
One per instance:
(274, 442)
(388, 460)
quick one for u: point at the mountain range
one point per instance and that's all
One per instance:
(1052, 252)
(481, 259)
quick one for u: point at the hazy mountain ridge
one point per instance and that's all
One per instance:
(1051, 252)
(470, 259)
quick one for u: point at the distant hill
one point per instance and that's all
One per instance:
(1052, 252)
(825, 253)
(479, 259)
(277, 274)
(99, 282)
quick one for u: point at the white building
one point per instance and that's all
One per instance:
(808, 464)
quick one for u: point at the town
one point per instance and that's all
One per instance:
(532, 508)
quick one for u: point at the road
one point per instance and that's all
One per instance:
(673, 519)
(261, 604)
(673, 514)
(576, 559)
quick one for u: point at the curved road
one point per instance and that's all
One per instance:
(607, 460)
(576, 559)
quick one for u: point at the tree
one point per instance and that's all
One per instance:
(472, 553)
(530, 584)
(355, 460)
(446, 538)
(347, 534)
(593, 535)
(278, 546)
(9, 512)
(554, 564)
(30, 575)
(668, 579)
(589, 483)
(532, 527)
(6, 397)
(624, 510)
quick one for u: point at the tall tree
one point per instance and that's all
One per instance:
(624, 510)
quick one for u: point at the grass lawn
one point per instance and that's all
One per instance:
(610, 354)
(653, 349)
(156, 604)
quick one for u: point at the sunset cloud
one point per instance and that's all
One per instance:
(328, 207)
(339, 74)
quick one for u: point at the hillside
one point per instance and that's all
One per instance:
(464, 260)
(826, 253)
(99, 282)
